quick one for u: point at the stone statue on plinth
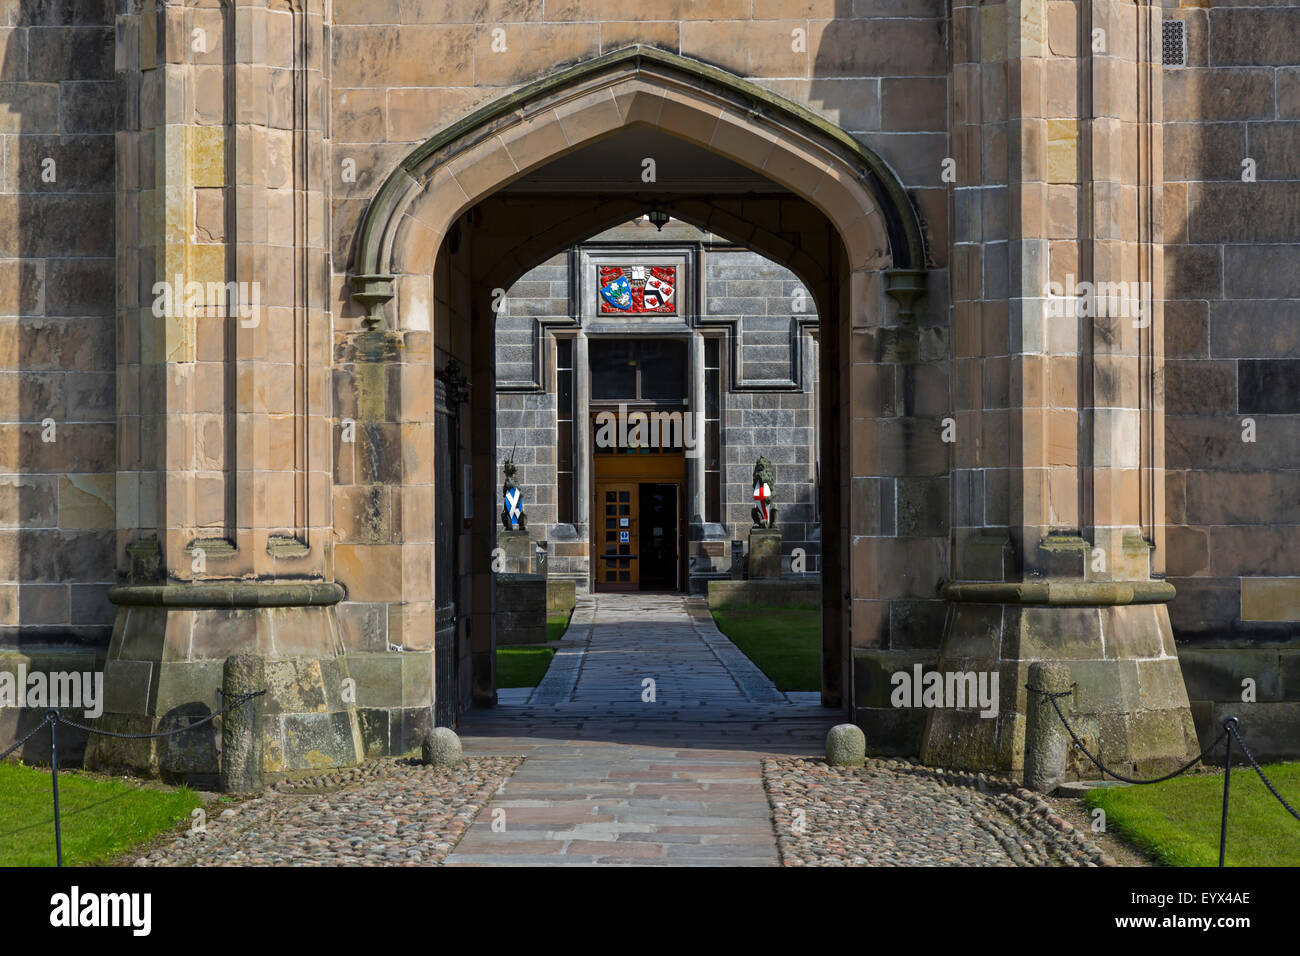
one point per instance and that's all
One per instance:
(764, 477)
(513, 516)
(764, 539)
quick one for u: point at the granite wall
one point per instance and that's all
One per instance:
(768, 324)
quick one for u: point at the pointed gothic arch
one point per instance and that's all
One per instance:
(419, 200)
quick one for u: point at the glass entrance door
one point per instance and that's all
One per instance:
(617, 567)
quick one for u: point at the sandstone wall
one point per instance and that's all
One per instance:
(58, 443)
(1232, 340)
(403, 70)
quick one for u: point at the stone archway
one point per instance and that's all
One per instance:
(411, 232)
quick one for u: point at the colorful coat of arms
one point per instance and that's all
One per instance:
(638, 289)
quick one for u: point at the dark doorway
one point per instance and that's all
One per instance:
(446, 667)
(659, 556)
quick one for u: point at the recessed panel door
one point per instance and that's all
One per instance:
(617, 566)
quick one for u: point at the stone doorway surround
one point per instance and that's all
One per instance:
(852, 236)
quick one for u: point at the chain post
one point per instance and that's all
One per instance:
(1227, 779)
(53, 717)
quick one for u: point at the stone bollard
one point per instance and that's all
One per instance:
(1045, 735)
(441, 748)
(241, 726)
(846, 746)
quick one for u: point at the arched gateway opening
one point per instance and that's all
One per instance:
(471, 211)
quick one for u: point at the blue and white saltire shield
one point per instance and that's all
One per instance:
(512, 498)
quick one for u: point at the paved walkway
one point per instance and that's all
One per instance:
(644, 745)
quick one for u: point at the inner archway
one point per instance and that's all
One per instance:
(446, 235)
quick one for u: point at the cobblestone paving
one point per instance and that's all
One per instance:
(896, 813)
(387, 813)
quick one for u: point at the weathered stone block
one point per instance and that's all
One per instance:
(417, 679)
(378, 679)
(790, 592)
(520, 601)
(561, 595)
(891, 732)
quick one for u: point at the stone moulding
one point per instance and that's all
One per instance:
(373, 280)
(1062, 593)
(294, 594)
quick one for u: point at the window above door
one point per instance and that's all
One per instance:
(638, 370)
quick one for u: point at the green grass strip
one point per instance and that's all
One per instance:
(1177, 822)
(102, 817)
(522, 666)
(784, 642)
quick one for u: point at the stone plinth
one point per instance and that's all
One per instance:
(1130, 707)
(17, 722)
(561, 595)
(520, 609)
(165, 665)
(764, 554)
(518, 551)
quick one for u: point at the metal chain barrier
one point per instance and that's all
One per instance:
(1268, 783)
(53, 718)
(1106, 770)
(35, 730)
(235, 701)
(1229, 733)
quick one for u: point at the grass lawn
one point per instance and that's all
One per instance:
(1177, 822)
(556, 624)
(522, 666)
(101, 817)
(784, 642)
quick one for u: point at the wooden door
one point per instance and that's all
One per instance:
(617, 567)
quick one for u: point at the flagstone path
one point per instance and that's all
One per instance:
(642, 745)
